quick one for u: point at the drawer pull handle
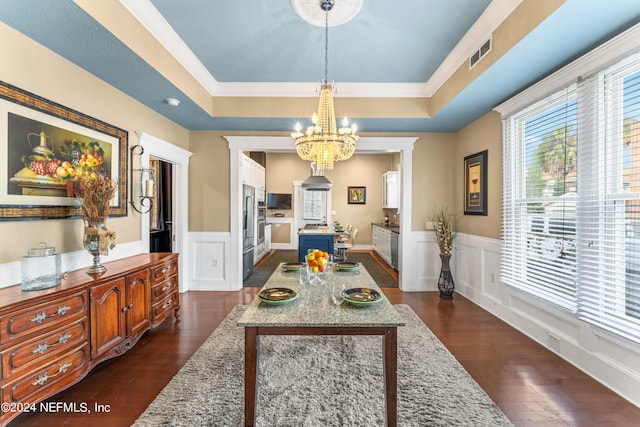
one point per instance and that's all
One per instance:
(166, 287)
(167, 304)
(41, 317)
(45, 377)
(41, 348)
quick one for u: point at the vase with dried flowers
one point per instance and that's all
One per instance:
(444, 227)
(94, 194)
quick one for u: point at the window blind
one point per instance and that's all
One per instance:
(609, 211)
(540, 191)
(571, 205)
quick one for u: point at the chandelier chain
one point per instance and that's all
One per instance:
(326, 47)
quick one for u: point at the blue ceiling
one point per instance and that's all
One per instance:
(252, 41)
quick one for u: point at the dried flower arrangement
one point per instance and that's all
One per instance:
(444, 227)
(95, 194)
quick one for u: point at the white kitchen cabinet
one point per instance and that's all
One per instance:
(253, 173)
(391, 190)
(382, 243)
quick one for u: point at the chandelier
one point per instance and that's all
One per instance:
(324, 143)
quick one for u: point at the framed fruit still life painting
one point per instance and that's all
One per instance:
(46, 148)
(475, 184)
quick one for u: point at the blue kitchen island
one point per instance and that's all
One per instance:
(315, 237)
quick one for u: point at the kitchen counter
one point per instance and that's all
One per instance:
(393, 228)
(314, 232)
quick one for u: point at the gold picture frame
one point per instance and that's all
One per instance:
(357, 195)
(36, 137)
(475, 184)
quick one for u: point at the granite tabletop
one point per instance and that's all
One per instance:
(314, 307)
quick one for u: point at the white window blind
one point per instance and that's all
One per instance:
(540, 189)
(571, 205)
(609, 241)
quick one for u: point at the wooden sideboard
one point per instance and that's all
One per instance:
(50, 339)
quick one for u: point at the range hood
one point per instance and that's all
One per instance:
(316, 182)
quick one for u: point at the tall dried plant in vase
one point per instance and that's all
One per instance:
(94, 192)
(444, 227)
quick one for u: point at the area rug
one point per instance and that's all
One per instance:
(262, 273)
(323, 381)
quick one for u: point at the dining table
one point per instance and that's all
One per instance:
(306, 307)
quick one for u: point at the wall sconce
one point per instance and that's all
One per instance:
(147, 184)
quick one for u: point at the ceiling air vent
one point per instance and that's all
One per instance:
(480, 53)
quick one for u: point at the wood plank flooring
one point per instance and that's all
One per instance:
(531, 385)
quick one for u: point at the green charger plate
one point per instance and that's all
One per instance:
(362, 296)
(293, 266)
(347, 266)
(277, 296)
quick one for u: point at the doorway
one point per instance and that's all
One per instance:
(179, 158)
(161, 235)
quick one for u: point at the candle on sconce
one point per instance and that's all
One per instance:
(149, 184)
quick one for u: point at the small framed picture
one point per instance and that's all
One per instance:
(357, 195)
(475, 184)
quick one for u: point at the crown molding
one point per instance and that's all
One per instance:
(154, 22)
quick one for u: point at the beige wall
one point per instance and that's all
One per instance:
(433, 183)
(483, 134)
(364, 170)
(433, 180)
(29, 66)
(209, 182)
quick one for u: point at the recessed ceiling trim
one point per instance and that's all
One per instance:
(154, 22)
(491, 18)
(305, 89)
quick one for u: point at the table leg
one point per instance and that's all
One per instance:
(391, 374)
(250, 374)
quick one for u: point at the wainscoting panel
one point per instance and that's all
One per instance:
(612, 360)
(209, 263)
(421, 271)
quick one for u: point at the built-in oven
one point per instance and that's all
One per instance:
(261, 222)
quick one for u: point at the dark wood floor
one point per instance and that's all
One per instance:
(531, 385)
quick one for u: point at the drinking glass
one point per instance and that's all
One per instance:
(303, 277)
(337, 289)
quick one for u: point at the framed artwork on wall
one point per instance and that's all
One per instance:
(44, 147)
(356, 195)
(475, 184)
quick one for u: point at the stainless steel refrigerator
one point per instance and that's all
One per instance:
(248, 229)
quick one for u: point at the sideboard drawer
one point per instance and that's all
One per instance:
(29, 354)
(163, 289)
(37, 318)
(56, 375)
(162, 308)
(163, 271)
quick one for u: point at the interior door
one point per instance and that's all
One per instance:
(161, 236)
